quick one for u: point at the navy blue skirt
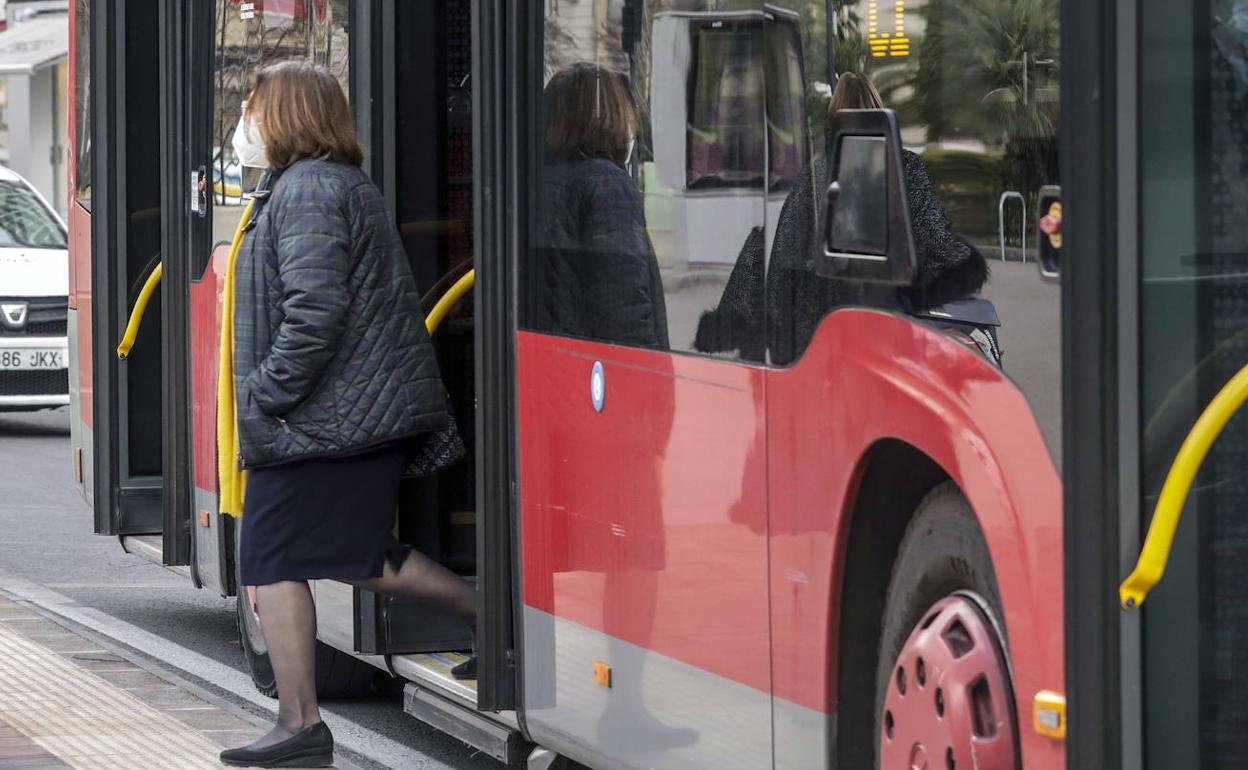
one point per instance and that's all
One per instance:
(322, 518)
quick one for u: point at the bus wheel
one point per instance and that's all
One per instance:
(338, 675)
(254, 649)
(943, 687)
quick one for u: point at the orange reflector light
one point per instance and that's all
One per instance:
(1050, 714)
(602, 673)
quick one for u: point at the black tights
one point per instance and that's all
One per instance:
(288, 621)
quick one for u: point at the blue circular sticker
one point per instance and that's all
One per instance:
(598, 387)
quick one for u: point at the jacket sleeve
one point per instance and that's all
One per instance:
(312, 242)
(949, 268)
(616, 263)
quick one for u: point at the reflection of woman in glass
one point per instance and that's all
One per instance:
(598, 276)
(949, 268)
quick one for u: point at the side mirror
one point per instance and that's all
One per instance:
(866, 226)
(1049, 224)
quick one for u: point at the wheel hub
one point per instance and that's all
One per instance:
(948, 704)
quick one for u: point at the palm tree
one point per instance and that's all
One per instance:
(1004, 54)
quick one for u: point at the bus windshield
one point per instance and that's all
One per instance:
(25, 221)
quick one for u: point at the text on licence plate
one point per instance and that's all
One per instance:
(33, 358)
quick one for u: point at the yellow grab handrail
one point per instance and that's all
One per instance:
(436, 316)
(1156, 552)
(452, 296)
(140, 307)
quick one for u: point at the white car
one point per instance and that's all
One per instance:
(34, 292)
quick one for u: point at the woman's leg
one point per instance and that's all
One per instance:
(288, 620)
(423, 578)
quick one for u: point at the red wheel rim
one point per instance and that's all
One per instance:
(948, 704)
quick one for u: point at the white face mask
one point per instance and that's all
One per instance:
(632, 144)
(249, 143)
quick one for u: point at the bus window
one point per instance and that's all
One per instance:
(1193, 338)
(975, 89)
(246, 40)
(666, 189)
(82, 104)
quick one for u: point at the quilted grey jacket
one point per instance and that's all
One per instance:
(331, 356)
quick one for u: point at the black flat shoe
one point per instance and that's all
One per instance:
(310, 747)
(466, 670)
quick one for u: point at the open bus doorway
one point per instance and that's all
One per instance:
(433, 202)
(412, 100)
(127, 242)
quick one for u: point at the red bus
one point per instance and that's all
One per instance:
(812, 529)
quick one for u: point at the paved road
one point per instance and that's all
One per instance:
(47, 547)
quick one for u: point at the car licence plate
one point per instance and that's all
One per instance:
(33, 358)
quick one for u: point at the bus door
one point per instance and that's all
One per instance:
(642, 504)
(420, 57)
(1157, 657)
(406, 69)
(119, 403)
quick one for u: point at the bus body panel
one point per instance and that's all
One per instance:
(81, 360)
(643, 529)
(214, 548)
(870, 376)
(584, 481)
(207, 297)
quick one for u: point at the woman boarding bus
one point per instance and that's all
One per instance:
(878, 485)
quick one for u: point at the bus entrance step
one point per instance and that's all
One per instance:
(503, 743)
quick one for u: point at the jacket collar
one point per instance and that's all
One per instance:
(261, 195)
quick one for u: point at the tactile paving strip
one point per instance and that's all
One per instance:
(87, 722)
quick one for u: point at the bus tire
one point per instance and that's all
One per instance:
(338, 675)
(943, 679)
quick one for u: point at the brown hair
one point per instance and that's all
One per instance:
(590, 112)
(854, 91)
(303, 113)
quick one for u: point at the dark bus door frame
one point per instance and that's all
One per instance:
(1100, 379)
(124, 504)
(374, 36)
(182, 34)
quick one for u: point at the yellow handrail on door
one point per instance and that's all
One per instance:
(140, 307)
(448, 301)
(1156, 552)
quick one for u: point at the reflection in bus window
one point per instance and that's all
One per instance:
(723, 135)
(82, 103)
(246, 40)
(975, 89)
(595, 263)
(659, 229)
(788, 143)
(726, 141)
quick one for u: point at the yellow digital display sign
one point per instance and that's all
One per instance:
(893, 42)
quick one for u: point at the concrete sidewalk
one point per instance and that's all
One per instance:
(66, 702)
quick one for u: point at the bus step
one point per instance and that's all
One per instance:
(503, 743)
(151, 548)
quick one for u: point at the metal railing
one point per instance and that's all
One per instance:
(1022, 229)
